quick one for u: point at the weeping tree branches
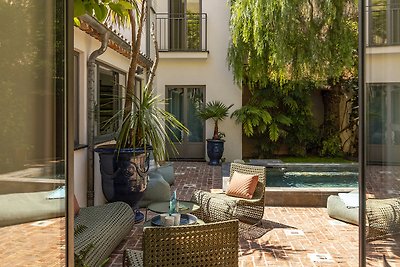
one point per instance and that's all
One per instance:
(292, 40)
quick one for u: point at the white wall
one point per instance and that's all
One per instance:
(212, 72)
(382, 64)
(85, 45)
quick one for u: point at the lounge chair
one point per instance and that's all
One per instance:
(383, 218)
(218, 207)
(213, 244)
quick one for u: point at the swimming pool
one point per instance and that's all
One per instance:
(285, 177)
(305, 175)
(306, 184)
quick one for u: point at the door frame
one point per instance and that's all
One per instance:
(185, 136)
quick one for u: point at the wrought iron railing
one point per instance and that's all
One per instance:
(383, 25)
(182, 32)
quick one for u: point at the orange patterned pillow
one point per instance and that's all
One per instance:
(242, 185)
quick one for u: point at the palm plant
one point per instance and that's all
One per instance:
(147, 124)
(215, 110)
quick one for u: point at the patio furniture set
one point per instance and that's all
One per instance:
(213, 240)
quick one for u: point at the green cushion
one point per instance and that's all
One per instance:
(28, 207)
(106, 226)
(338, 210)
(157, 190)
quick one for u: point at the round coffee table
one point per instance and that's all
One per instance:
(163, 207)
(148, 223)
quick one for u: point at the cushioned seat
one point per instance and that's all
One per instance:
(157, 190)
(104, 227)
(338, 210)
(29, 207)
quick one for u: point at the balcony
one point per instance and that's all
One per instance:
(182, 32)
(383, 25)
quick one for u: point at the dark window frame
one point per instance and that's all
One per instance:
(100, 138)
(77, 142)
(391, 38)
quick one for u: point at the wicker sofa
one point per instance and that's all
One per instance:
(103, 228)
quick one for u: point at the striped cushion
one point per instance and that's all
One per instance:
(242, 185)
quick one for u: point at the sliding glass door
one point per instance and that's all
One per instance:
(33, 133)
(183, 103)
(380, 121)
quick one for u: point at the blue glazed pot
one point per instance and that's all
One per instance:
(215, 149)
(123, 173)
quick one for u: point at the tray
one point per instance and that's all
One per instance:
(185, 220)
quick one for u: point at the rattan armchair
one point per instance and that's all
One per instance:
(213, 244)
(383, 218)
(217, 207)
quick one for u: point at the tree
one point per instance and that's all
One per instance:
(298, 40)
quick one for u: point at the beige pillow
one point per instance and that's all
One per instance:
(242, 185)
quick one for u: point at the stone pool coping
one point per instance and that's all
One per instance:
(301, 197)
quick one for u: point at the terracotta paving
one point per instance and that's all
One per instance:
(33, 244)
(289, 236)
(276, 247)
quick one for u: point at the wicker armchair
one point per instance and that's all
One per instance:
(213, 244)
(217, 207)
(383, 218)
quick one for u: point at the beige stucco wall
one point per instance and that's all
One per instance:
(210, 71)
(85, 45)
(382, 64)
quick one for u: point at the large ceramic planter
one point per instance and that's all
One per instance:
(215, 149)
(123, 173)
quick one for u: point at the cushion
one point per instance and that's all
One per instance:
(242, 185)
(337, 209)
(76, 206)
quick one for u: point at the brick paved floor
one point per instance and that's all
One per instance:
(281, 245)
(30, 245)
(321, 234)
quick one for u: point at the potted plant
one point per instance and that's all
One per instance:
(217, 111)
(144, 127)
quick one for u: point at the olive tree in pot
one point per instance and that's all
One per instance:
(145, 127)
(217, 111)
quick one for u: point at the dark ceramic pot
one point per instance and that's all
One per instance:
(123, 173)
(215, 149)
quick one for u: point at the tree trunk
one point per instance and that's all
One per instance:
(331, 100)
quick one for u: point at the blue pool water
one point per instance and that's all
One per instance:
(303, 175)
(276, 178)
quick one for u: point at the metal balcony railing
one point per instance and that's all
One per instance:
(182, 32)
(383, 25)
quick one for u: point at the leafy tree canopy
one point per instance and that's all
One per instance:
(100, 9)
(284, 40)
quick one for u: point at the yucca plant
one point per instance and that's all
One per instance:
(215, 110)
(147, 124)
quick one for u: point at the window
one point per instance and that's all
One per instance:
(110, 83)
(384, 22)
(76, 99)
(383, 114)
(183, 28)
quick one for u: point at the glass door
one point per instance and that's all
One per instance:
(185, 25)
(380, 124)
(183, 103)
(33, 150)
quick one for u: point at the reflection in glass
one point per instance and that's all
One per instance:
(175, 107)
(382, 167)
(195, 124)
(32, 147)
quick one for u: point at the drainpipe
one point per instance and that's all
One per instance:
(91, 98)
